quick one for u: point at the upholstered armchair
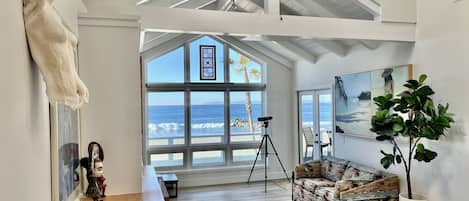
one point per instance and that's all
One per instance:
(333, 179)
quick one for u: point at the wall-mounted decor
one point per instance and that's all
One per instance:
(65, 138)
(208, 68)
(53, 47)
(354, 94)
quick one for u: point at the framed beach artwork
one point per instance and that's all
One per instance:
(354, 95)
(65, 155)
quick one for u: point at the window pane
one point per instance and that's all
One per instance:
(208, 157)
(207, 117)
(167, 160)
(307, 111)
(245, 155)
(195, 59)
(165, 118)
(245, 108)
(243, 69)
(167, 68)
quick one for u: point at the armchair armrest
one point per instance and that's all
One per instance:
(387, 187)
(309, 170)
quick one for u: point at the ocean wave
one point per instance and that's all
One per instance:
(178, 126)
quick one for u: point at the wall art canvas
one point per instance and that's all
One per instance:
(354, 95)
(65, 138)
(208, 69)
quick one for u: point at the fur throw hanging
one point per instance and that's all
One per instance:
(53, 48)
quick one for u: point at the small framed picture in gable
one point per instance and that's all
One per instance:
(208, 68)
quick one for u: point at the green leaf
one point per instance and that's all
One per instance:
(423, 154)
(420, 147)
(413, 84)
(398, 159)
(424, 91)
(383, 137)
(397, 127)
(422, 78)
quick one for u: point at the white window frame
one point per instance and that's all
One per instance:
(187, 87)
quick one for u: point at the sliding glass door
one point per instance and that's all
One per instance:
(315, 124)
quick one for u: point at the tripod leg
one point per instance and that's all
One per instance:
(257, 156)
(278, 158)
(266, 155)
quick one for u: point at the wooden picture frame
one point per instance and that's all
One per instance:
(208, 64)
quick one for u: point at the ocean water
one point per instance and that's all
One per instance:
(168, 121)
(208, 120)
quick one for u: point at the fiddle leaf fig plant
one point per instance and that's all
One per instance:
(411, 116)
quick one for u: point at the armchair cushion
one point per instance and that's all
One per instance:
(308, 170)
(333, 168)
(328, 193)
(317, 182)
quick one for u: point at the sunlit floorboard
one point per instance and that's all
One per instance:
(276, 191)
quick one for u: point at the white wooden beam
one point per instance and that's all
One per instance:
(196, 4)
(222, 23)
(299, 51)
(334, 47)
(311, 8)
(224, 4)
(315, 9)
(272, 7)
(158, 41)
(175, 5)
(370, 44)
(167, 46)
(264, 53)
(370, 6)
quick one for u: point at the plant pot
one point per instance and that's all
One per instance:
(404, 197)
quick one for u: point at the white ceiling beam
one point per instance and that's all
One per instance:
(158, 41)
(216, 23)
(175, 5)
(264, 53)
(370, 44)
(272, 7)
(315, 9)
(297, 50)
(196, 4)
(224, 4)
(334, 47)
(370, 6)
(167, 46)
(308, 8)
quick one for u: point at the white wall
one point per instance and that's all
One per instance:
(25, 172)
(109, 65)
(24, 114)
(441, 52)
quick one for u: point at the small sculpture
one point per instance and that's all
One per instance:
(95, 171)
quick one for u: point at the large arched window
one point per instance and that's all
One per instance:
(194, 123)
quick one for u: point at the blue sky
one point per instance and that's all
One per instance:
(170, 68)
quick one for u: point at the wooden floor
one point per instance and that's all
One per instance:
(276, 191)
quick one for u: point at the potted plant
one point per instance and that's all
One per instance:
(412, 117)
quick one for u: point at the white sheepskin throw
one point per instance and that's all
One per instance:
(53, 47)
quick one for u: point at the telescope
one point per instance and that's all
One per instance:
(267, 118)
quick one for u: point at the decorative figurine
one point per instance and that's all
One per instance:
(95, 171)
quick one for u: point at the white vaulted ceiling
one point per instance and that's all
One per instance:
(291, 48)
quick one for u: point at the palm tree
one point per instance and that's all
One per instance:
(243, 62)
